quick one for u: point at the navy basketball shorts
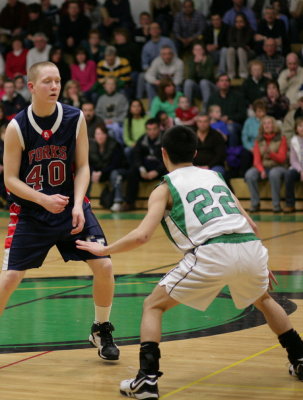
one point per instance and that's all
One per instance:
(29, 240)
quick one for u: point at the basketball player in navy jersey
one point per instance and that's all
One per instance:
(47, 174)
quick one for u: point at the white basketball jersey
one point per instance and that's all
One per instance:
(203, 208)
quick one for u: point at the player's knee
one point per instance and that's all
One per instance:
(104, 269)
(261, 301)
(9, 280)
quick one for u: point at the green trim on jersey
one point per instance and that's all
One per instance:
(167, 232)
(233, 238)
(177, 212)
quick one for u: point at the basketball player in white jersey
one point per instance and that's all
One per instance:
(208, 224)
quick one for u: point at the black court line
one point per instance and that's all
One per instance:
(282, 235)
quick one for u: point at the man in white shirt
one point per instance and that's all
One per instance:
(39, 52)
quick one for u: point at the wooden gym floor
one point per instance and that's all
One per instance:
(223, 353)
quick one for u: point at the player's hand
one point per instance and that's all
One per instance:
(78, 220)
(93, 247)
(55, 203)
(272, 280)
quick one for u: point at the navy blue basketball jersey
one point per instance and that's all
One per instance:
(48, 156)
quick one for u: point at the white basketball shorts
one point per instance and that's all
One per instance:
(201, 275)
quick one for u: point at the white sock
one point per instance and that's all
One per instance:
(102, 314)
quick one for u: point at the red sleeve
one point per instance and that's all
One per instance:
(179, 113)
(281, 155)
(257, 157)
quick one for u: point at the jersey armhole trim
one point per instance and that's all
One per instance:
(81, 116)
(17, 127)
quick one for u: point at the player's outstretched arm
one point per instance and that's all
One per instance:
(82, 176)
(156, 207)
(11, 162)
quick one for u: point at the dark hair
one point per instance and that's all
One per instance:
(180, 143)
(274, 83)
(53, 51)
(298, 121)
(101, 125)
(152, 121)
(130, 117)
(161, 88)
(81, 50)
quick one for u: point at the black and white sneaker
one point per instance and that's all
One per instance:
(296, 369)
(101, 337)
(143, 387)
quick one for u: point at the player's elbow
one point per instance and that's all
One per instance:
(142, 238)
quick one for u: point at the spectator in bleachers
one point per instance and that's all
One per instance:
(93, 10)
(129, 50)
(1, 86)
(112, 108)
(215, 119)
(147, 163)
(288, 126)
(37, 23)
(291, 78)
(185, 113)
(296, 21)
(281, 12)
(152, 48)
(200, 79)
(11, 100)
(276, 105)
(270, 162)
(211, 152)
(240, 47)
(254, 87)
(74, 27)
(51, 12)
(3, 120)
(165, 122)
(189, 25)
(295, 171)
(94, 46)
(15, 63)
(167, 98)
(72, 94)
(250, 132)
(56, 56)
(142, 32)
(163, 12)
(107, 162)
(167, 65)
(232, 105)
(84, 71)
(239, 7)
(40, 51)
(215, 40)
(92, 120)
(133, 127)
(118, 15)
(220, 7)
(113, 66)
(150, 51)
(21, 88)
(271, 27)
(2, 65)
(13, 18)
(272, 60)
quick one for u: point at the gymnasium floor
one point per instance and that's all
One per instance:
(223, 353)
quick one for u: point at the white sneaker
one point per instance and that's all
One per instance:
(116, 207)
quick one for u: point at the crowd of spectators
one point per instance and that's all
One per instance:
(225, 69)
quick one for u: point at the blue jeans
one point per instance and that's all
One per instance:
(275, 176)
(203, 90)
(291, 177)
